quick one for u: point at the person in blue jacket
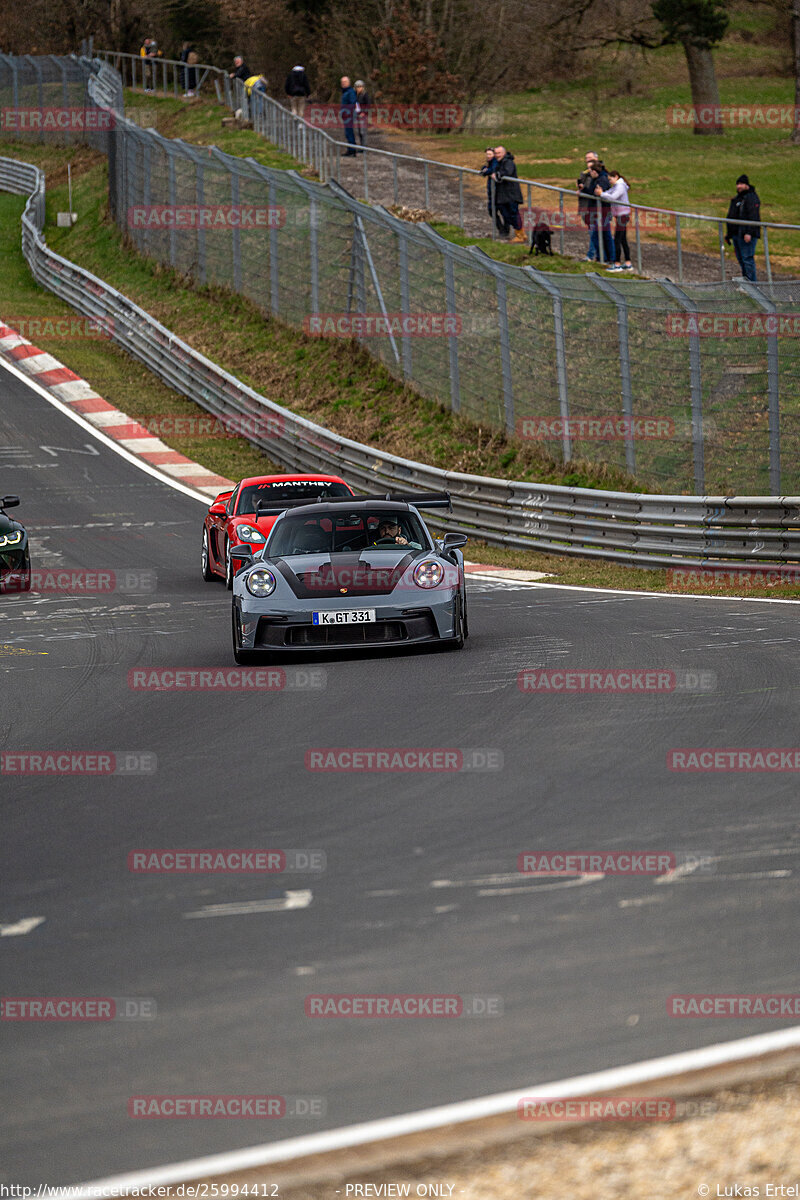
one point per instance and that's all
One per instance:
(348, 110)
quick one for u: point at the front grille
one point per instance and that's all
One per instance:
(346, 635)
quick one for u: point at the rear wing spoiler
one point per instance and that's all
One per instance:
(266, 508)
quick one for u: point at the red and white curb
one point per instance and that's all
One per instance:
(79, 396)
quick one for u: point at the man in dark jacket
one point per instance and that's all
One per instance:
(745, 206)
(240, 69)
(298, 90)
(599, 214)
(489, 169)
(583, 203)
(362, 113)
(347, 115)
(508, 195)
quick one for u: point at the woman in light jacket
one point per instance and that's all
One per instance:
(620, 208)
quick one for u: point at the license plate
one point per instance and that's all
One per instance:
(355, 616)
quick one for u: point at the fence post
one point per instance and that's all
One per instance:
(773, 395)
(621, 302)
(461, 199)
(561, 222)
(679, 247)
(696, 385)
(236, 234)
(505, 353)
(173, 200)
(405, 299)
(721, 250)
(765, 231)
(274, 278)
(201, 233)
(561, 356)
(638, 244)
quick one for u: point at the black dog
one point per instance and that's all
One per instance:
(540, 242)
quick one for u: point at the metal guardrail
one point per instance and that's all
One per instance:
(756, 532)
(414, 175)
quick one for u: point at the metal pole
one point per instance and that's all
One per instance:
(600, 230)
(274, 281)
(561, 222)
(638, 245)
(561, 355)
(505, 353)
(696, 386)
(450, 294)
(427, 193)
(394, 177)
(461, 199)
(201, 233)
(313, 249)
(721, 251)
(405, 299)
(773, 395)
(173, 233)
(766, 254)
(619, 296)
(678, 242)
(236, 235)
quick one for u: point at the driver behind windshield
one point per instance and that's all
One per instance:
(390, 533)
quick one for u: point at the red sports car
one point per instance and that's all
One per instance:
(233, 519)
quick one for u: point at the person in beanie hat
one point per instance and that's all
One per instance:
(298, 89)
(745, 206)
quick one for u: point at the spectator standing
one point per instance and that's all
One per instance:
(621, 212)
(188, 71)
(362, 113)
(255, 83)
(298, 90)
(745, 206)
(240, 69)
(149, 52)
(584, 204)
(599, 221)
(508, 195)
(347, 114)
(489, 169)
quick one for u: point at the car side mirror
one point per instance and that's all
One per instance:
(452, 541)
(216, 510)
(9, 502)
(243, 553)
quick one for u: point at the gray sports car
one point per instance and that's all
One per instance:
(350, 573)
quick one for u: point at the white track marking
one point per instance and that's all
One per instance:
(279, 904)
(23, 926)
(578, 881)
(502, 1103)
(108, 442)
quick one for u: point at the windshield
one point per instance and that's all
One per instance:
(302, 489)
(343, 533)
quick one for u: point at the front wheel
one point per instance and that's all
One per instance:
(205, 559)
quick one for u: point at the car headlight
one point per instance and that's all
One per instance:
(11, 539)
(260, 583)
(428, 574)
(248, 533)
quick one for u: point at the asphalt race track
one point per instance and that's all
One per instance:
(421, 893)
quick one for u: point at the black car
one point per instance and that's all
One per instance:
(350, 572)
(15, 558)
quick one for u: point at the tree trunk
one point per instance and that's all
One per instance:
(703, 82)
(796, 43)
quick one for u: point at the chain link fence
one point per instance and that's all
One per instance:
(693, 389)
